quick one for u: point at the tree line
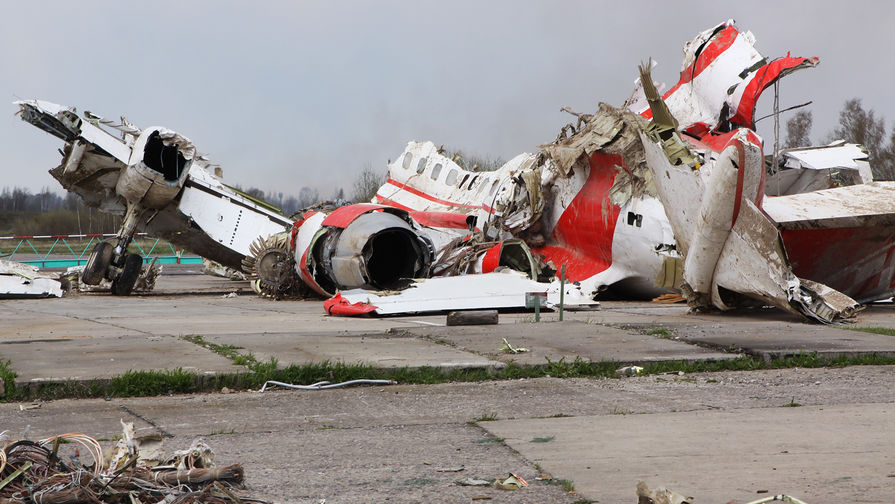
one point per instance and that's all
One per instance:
(856, 125)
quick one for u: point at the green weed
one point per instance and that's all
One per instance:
(487, 417)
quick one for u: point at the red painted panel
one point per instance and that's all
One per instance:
(413, 190)
(337, 305)
(343, 216)
(492, 258)
(715, 47)
(856, 261)
(441, 219)
(762, 78)
(582, 239)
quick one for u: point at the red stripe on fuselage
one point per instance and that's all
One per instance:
(584, 233)
(421, 194)
(716, 46)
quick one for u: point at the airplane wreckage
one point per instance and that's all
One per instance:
(667, 192)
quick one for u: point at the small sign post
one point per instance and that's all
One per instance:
(536, 300)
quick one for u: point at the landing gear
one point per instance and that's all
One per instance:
(124, 284)
(112, 262)
(97, 264)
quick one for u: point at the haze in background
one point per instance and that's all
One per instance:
(291, 94)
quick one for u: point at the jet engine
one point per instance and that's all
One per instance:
(355, 246)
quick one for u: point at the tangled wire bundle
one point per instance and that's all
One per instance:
(34, 472)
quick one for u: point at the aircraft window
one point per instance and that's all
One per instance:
(482, 186)
(408, 158)
(494, 188)
(472, 183)
(421, 165)
(436, 171)
(451, 177)
(465, 178)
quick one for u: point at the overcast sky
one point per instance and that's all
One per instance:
(291, 94)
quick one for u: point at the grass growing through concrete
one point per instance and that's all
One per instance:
(486, 417)
(885, 331)
(179, 381)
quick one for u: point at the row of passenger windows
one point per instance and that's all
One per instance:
(451, 178)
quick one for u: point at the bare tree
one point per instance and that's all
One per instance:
(366, 184)
(861, 126)
(798, 130)
(474, 162)
(307, 196)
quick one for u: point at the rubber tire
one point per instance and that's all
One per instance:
(124, 284)
(97, 263)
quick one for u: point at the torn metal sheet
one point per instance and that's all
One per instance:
(668, 192)
(817, 168)
(721, 79)
(19, 280)
(505, 289)
(731, 249)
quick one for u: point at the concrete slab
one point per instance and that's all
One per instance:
(811, 453)
(86, 358)
(376, 350)
(40, 336)
(565, 340)
(771, 340)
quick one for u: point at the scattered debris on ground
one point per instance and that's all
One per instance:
(323, 385)
(510, 349)
(51, 471)
(18, 280)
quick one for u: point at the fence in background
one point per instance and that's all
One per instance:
(67, 253)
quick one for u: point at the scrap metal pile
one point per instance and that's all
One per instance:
(667, 192)
(50, 471)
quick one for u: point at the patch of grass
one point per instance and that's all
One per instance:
(546, 439)
(489, 440)
(179, 381)
(443, 342)
(792, 404)
(885, 331)
(662, 332)
(485, 417)
(620, 411)
(711, 380)
(8, 376)
(585, 501)
(560, 415)
(327, 427)
(567, 485)
(228, 351)
(222, 432)
(418, 482)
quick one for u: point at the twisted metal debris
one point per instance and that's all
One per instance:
(39, 473)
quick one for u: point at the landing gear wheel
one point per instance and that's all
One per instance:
(124, 284)
(97, 263)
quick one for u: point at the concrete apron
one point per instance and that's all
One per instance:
(841, 453)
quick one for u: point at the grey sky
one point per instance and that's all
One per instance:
(291, 94)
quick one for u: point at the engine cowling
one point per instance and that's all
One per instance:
(158, 166)
(361, 246)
